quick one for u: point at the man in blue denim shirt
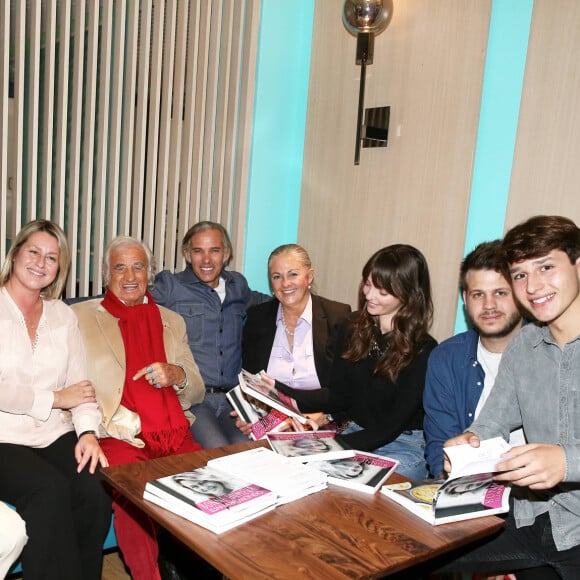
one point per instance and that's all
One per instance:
(213, 302)
(462, 370)
(538, 387)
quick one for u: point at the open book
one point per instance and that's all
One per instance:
(364, 471)
(210, 499)
(469, 492)
(255, 386)
(260, 420)
(309, 446)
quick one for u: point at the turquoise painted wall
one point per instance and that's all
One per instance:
(500, 106)
(281, 98)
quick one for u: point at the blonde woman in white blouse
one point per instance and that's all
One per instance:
(48, 413)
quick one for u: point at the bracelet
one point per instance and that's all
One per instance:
(89, 432)
(183, 383)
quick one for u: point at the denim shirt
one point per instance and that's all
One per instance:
(214, 329)
(453, 387)
(538, 387)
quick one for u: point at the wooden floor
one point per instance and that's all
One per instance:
(113, 567)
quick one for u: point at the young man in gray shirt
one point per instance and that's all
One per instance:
(537, 388)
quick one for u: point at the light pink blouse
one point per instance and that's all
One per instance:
(296, 367)
(29, 375)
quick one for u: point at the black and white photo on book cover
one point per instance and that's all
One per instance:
(255, 386)
(364, 471)
(209, 491)
(262, 418)
(306, 446)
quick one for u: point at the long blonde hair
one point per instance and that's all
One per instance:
(55, 289)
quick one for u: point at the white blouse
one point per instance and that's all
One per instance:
(296, 367)
(29, 376)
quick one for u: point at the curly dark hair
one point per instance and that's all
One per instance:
(537, 237)
(402, 271)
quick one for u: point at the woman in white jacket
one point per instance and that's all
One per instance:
(49, 416)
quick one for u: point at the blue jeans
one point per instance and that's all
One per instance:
(213, 426)
(408, 448)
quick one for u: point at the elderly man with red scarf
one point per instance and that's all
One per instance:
(146, 380)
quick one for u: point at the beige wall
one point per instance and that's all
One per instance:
(546, 168)
(428, 66)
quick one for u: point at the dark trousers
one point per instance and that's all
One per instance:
(67, 514)
(514, 549)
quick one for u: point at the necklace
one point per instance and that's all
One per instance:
(286, 329)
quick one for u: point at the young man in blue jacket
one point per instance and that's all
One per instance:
(462, 370)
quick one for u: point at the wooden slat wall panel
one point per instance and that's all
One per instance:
(61, 98)
(138, 120)
(49, 110)
(546, 172)
(102, 153)
(246, 101)
(168, 41)
(175, 146)
(153, 122)
(75, 143)
(17, 138)
(115, 129)
(88, 148)
(34, 25)
(127, 188)
(4, 64)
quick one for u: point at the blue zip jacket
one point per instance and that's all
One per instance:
(453, 386)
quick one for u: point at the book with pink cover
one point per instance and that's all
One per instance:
(364, 471)
(261, 421)
(469, 492)
(307, 446)
(254, 385)
(213, 500)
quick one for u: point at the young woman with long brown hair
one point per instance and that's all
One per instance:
(377, 383)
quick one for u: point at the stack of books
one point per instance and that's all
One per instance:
(234, 489)
(287, 479)
(210, 499)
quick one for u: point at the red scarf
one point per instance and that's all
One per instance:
(163, 423)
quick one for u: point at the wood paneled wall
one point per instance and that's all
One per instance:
(546, 168)
(428, 66)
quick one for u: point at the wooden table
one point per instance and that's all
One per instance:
(335, 533)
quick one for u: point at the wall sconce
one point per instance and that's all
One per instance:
(365, 18)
